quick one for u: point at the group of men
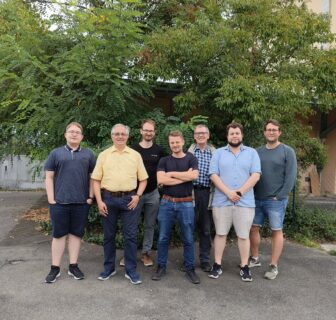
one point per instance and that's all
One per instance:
(247, 186)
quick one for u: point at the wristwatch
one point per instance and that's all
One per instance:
(239, 193)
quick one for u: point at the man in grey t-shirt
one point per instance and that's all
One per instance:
(279, 169)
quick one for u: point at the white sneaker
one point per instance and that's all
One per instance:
(272, 272)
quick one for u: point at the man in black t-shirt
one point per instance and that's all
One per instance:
(176, 173)
(151, 154)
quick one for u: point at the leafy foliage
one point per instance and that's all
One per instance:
(246, 61)
(75, 66)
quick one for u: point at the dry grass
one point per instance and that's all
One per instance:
(37, 215)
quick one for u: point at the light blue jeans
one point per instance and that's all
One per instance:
(273, 209)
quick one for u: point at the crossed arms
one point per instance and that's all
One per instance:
(174, 178)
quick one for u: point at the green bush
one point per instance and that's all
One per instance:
(314, 224)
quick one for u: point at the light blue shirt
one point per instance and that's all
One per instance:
(234, 170)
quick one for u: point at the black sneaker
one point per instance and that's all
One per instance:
(206, 266)
(159, 273)
(53, 274)
(75, 272)
(192, 276)
(215, 271)
(245, 273)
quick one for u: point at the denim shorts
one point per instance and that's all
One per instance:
(273, 209)
(68, 219)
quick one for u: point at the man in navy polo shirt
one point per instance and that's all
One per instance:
(70, 195)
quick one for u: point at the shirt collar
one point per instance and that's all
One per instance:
(207, 147)
(70, 149)
(242, 147)
(126, 149)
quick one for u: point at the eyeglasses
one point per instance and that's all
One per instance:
(148, 131)
(272, 130)
(119, 134)
(74, 132)
(200, 133)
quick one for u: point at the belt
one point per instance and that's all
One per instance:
(198, 186)
(119, 194)
(169, 198)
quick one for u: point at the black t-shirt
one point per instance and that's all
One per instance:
(151, 157)
(170, 163)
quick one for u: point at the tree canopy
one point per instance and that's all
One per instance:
(246, 60)
(96, 61)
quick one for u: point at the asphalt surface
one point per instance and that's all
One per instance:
(304, 289)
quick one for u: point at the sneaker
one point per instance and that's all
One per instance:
(122, 262)
(105, 275)
(272, 272)
(254, 262)
(147, 260)
(133, 277)
(53, 274)
(245, 273)
(206, 266)
(75, 272)
(159, 273)
(192, 276)
(215, 271)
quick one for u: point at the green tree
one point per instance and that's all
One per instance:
(76, 64)
(246, 60)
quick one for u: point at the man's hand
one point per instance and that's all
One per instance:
(233, 196)
(134, 202)
(52, 202)
(102, 209)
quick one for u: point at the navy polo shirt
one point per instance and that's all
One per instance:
(72, 169)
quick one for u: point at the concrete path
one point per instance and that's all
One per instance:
(305, 288)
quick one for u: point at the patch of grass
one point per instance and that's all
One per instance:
(332, 252)
(306, 241)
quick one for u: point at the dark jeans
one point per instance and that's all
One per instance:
(118, 207)
(203, 223)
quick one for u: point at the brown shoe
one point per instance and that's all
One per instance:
(122, 262)
(147, 260)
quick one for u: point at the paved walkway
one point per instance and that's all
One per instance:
(305, 288)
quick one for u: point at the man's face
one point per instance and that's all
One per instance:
(176, 144)
(201, 135)
(73, 135)
(119, 136)
(272, 133)
(235, 137)
(147, 132)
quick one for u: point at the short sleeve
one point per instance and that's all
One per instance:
(50, 164)
(162, 164)
(255, 163)
(213, 168)
(97, 173)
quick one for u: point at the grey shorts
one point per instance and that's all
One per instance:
(240, 217)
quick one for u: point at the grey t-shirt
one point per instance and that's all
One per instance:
(72, 170)
(279, 170)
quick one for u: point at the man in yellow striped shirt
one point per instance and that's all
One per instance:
(119, 180)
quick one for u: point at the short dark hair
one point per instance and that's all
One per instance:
(272, 121)
(234, 125)
(148, 121)
(176, 133)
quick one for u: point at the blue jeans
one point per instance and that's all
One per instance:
(149, 204)
(273, 209)
(118, 207)
(184, 213)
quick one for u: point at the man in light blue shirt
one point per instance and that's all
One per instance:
(234, 170)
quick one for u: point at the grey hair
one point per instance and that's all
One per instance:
(202, 126)
(127, 128)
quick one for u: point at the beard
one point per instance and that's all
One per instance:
(235, 144)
